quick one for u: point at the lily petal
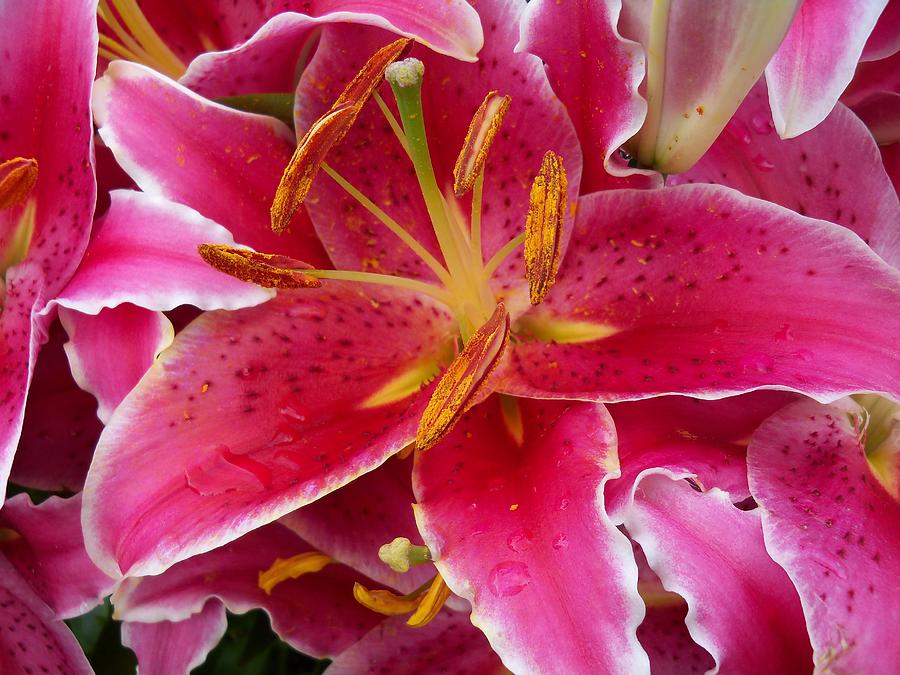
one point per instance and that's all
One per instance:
(315, 613)
(701, 290)
(49, 553)
(351, 524)
(884, 40)
(816, 60)
(50, 647)
(111, 351)
(268, 61)
(61, 426)
(833, 172)
(372, 159)
(232, 427)
(176, 646)
(742, 607)
(448, 642)
(833, 527)
(596, 73)
(520, 532)
(223, 163)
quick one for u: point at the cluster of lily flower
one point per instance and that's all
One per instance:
(550, 337)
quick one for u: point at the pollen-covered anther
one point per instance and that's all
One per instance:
(292, 568)
(465, 380)
(17, 179)
(543, 226)
(262, 269)
(328, 131)
(422, 604)
(482, 131)
(401, 554)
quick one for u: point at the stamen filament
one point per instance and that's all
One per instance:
(142, 30)
(392, 121)
(119, 51)
(391, 224)
(503, 253)
(475, 236)
(109, 18)
(435, 292)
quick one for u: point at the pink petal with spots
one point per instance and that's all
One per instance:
(20, 341)
(315, 613)
(61, 426)
(816, 61)
(175, 647)
(450, 643)
(268, 61)
(703, 58)
(110, 351)
(833, 172)
(49, 554)
(253, 413)
(351, 524)
(834, 529)
(884, 40)
(742, 607)
(372, 159)
(521, 532)
(669, 645)
(223, 163)
(704, 438)
(706, 292)
(596, 72)
(49, 56)
(145, 252)
(32, 639)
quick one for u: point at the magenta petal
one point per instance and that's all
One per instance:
(881, 114)
(742, 607)
(351, 524)
(521, 533)
(48, 647)
(176, 646)
(450, 643)
(833, 172)
(237, 423)
(669, 644)
(61, 426)
(816, 60)
(267, 62)
(596, 73)
(315, 613)
(884, 40)
(144, 251)
(50, 555)
(706, 292)
(50, 52)
(223, 163)
(111, 351)
(834, 529)
(371, 158)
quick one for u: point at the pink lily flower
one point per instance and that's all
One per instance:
(627, 318)
(700, 64)
(47, 185)
(47, 576)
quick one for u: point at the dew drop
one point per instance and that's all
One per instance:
(762, 123)
(563, 504)
(739, 131)
(785, 333)
(222, 470)
(762, 163)
(804, 355)
(560, 542)
(508, 578)
(519, 541)
(760, 363)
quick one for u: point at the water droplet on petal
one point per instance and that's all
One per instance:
(560, 541)
(762, 163)
(563, 504)
(760, 363)
(762, 123)
(785, 333)
(739, 131)
(519, 541)
(803, 355)
(508, 578)
(222, 470)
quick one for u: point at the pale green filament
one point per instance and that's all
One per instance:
(386, 280)
(503, 254)
(475, 235)
(391, 120)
